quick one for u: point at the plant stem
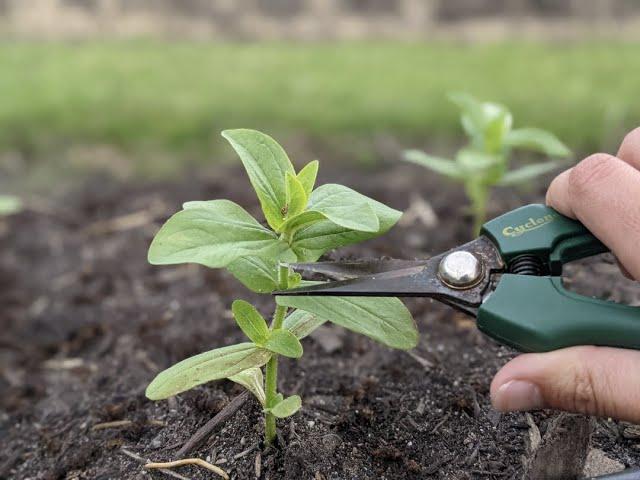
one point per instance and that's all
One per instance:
(479, 195)
(479, 216)
(271, 371)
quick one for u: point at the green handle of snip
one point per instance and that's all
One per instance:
(536, 313)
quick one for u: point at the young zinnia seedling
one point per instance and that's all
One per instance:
(303, 224)
(485, 161)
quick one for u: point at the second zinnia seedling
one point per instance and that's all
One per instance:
(484, 162)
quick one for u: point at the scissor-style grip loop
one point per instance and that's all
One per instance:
(537, 314)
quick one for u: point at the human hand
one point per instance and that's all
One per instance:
(603, 192)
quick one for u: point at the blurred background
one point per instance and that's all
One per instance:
(110, 118)
(142, 88)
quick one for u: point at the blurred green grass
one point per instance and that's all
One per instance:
(175, 97)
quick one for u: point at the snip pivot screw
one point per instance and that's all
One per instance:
(460, 270)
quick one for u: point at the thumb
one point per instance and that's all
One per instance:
(591, 380)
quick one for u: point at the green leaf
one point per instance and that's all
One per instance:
(250, 322)
(486, 123)
(267, 164)
(301, 323)
(482, 169)
(294, 279)
(359, 217)
(286, 407)
(205, 367)
(345, 207)
(296, 196)
(202, 204)
(9, 205)
(304, 218)
(346, 217)
(537, 140)
(527, 173)
(252, 380)
(499, 121)
(259, 272)
(211, 233)
(307, 176)
(443, 166)
(472, 116)
(285, 343)
(276, 399)
(386, 320)
(313, 240)
(472, 162)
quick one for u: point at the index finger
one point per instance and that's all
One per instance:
(558, 192)
(602, 192)
(629, 150)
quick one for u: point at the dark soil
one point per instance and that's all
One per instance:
(87, 323)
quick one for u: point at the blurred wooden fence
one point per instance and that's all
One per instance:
(319, 19)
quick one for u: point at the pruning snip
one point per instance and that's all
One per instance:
(509, 278)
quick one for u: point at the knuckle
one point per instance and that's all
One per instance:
(631, 140)
(586, 381)
(590, 174)
(584, 394)
(556, 196)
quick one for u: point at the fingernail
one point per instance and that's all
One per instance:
(517, 395)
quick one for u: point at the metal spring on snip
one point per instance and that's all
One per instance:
(527, 265)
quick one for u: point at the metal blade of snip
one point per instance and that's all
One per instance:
(348, 270)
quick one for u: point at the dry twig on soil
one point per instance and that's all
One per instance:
(140, 459)
(424, 363)
(116, 424)
(189, 461)
(245, 452)
(440, 423)
(258, 465)
(124, 423)
(221, 417)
